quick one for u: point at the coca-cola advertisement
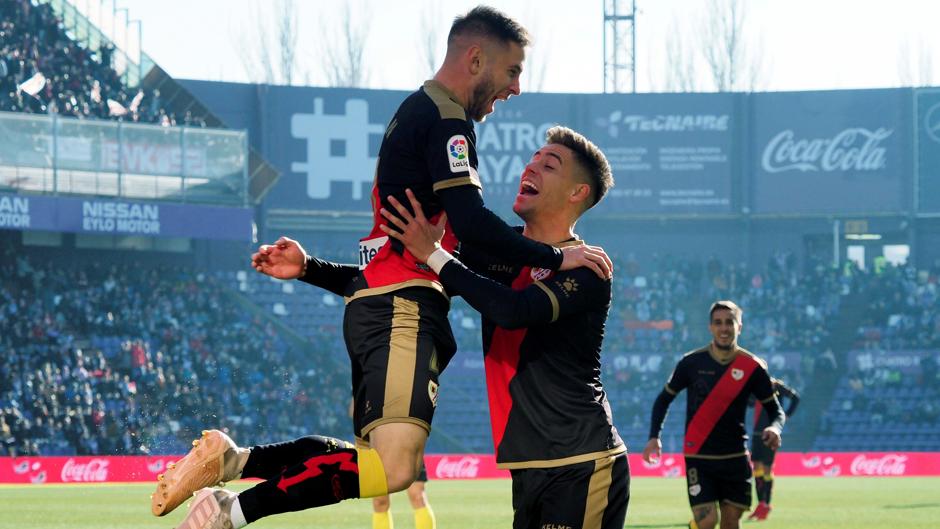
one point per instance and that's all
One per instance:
(124, 469)
(82, 469)
(832, 152)
(463, 466)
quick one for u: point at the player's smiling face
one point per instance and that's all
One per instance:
(725, 329)
(499, 79)
(546, 181)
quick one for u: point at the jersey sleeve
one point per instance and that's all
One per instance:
(327, 275)
(679, 379)
(474, 224)
(792, 396)
(762, 387)
(451, 155)
(763, 390)
(574, 291)
(540, 302)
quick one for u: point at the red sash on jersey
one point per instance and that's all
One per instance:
(502, 360)
(729, 386)
(383, 266)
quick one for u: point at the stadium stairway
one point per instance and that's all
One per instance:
(802, 432)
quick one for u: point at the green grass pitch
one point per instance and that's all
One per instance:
(799, 503)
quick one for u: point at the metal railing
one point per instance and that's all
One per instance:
(56, 155)
(100, 23)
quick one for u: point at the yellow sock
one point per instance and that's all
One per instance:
(382, 520)
(424, 518)
(693, 525)
(372, 480)
(758, 472)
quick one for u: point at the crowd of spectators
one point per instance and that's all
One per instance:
(78, 82)
(904, 312)
(662, 306)
(121, 359)
(885, 401)
(109, 359)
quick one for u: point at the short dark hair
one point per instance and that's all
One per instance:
(727, 305)
(485, 21)
(588, 156)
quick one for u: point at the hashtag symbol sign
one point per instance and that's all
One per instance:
(351, 130)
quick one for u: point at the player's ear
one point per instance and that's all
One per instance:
(580, 193)
(476, 59)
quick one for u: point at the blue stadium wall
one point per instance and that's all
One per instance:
(740, 175)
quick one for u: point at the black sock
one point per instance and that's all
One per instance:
(759, 488)
(323, 479)
(768, 486)
(268, 461)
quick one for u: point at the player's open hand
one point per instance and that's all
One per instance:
(593, 257)
(419, 236)
(771, 438)
(653, 450)
(285, 259)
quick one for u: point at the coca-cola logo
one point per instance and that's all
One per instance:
(932, 122)
(854, 149)
(466, 467)
(93, 470)
(886, 465)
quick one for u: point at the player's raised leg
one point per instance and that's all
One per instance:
(214, 459)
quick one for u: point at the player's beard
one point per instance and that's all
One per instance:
(729, 347)
(480, 99)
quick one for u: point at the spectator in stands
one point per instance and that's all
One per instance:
(77, 83)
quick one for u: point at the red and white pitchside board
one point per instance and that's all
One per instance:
(119, 469)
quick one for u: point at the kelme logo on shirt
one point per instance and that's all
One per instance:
(458, 152)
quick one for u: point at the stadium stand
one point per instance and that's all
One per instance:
(68, 80)
(126, 359)
(130, 359)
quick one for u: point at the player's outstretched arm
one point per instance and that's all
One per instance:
(286, 259)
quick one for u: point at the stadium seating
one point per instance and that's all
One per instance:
(120, 359)
(134, 359)
(67, 79)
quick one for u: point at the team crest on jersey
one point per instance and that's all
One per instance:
(432, 392)
(570, 285)
(458, 153)
(737, 374)
(694, 490)
(539, 274)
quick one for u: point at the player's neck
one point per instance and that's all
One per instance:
(453, 84)
(548, 232)
(723, 355)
